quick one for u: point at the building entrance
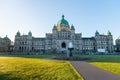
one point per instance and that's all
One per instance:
(63, 45)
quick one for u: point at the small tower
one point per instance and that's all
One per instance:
(108, 33)
(72, 29)
(54, 28)
(96, 33)
(6, 38)
(30, 33)
(18, 34)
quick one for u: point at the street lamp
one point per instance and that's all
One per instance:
(70, 48)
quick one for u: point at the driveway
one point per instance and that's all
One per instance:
(90, 72)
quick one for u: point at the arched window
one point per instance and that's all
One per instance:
(63, 45)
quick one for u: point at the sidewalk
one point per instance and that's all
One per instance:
(90, 72)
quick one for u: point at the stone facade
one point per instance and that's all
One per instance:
(5, 44)
(117, 46)
(58, 40)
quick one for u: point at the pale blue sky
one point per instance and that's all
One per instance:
(39, 16)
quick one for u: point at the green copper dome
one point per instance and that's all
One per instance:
(18, 33)
(54, 27)
(30, 33)
(63, 25)
(63, 21)
(72, 27)
(108, 33)
(6, 38)
(96, 33)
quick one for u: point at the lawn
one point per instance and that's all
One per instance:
(32, 67)
(108, 62)
(21, 68)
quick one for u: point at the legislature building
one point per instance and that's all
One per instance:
(58, 40)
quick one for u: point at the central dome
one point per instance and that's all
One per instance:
(63, 25)
(63, 21)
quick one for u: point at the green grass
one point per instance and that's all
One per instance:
(32, 67)
(108, 62)
(109, 66)
(21, 68)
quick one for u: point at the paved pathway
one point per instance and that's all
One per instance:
(90, 72)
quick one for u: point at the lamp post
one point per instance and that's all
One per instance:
(70, 48)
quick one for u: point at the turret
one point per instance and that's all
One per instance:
(30, 33)
(108, 33)
(96, 33)
(18, 33)
(54, 28)
(6, 38)
(72, 29)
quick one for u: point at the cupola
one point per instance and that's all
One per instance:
(96, 33)
(6, 38)
(63, 25)
(108, 33)
(18, 33)
(30, 33)
(54, 27)
(72, 27)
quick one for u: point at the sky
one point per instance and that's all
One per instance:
(39, 16)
